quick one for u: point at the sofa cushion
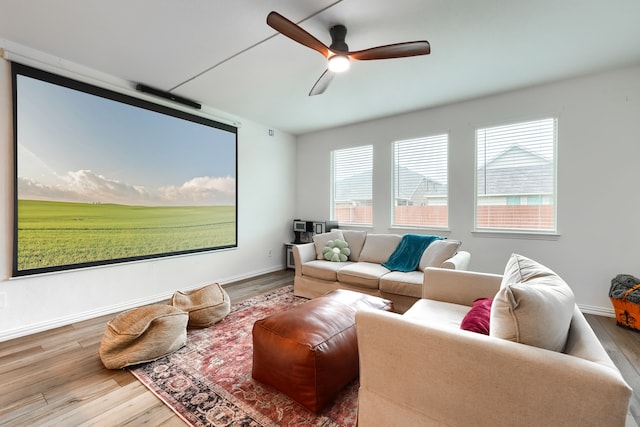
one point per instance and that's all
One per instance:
(379, 247)
(401, 283)
(432, 312)
(355, 239)
(363, 274)
(320, 241)
(478, 318)
(323, 270)
(534, 305)
(438, 252)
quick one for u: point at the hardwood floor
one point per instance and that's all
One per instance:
(55, 378)
(623, 346)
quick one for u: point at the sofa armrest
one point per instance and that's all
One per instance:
(417, 374)
(460, 261)
(301, 254)
(458, 286)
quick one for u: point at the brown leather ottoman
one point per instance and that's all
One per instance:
(310, 352)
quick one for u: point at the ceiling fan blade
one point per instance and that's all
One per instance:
(397, 50)
(322, 83)
(295, 33)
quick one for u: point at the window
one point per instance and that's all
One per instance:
(420, 182)
(516, 177)
(352, 195)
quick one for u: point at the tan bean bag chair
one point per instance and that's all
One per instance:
(143, 334)
(206, 306)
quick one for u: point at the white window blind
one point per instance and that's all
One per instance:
(516, 177)
(420, 182)
(352, 195)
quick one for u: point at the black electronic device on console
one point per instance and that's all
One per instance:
(304, 230)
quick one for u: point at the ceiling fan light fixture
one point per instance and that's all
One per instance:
(338, 55)
(338, 63)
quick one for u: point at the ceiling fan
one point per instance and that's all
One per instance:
(337, 54)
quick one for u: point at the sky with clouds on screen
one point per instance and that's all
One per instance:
(77, 147)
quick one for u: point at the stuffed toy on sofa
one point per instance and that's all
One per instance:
(336, 250)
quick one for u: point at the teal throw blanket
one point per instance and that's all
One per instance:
(407, 255)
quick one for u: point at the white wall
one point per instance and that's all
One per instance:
(598, 176)
(266, 183)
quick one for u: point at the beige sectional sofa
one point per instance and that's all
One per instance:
(363, 272)
(540, 364)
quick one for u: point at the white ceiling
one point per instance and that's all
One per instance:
(223, 54)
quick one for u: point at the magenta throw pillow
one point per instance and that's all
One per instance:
(477, 319)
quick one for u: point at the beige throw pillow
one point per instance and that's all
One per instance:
(379, 247)
(534, 305)
(320, 241)
(355, 239)
(438, 252)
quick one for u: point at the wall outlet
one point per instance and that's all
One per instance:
(269, 252)
(3, 300)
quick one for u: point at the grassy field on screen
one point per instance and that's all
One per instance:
(60, 233)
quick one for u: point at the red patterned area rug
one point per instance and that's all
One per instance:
(208, 382)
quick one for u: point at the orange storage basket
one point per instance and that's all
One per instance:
(627, 312)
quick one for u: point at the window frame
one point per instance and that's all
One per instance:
(436, 137)
(532, 233)
(333, 184)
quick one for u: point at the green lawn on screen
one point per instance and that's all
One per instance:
(60, 233)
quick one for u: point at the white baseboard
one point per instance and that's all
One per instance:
(103, 311)
(599, 311)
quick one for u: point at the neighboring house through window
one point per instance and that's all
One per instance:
(352, 193)
(420, 182)
(516, 177)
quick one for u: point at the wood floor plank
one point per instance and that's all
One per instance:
(122, 377)
(70, 397)
(138, 410)
(614, 342)
(33, 340)
(628, 340)
(80, 391)
(14, 366)
(17, 358)
(157, 415)
(21, 407)
(42, 372)
(73, 335)
(76, 415)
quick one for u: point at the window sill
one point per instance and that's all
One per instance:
(355, 226)
(405, 229)
(516, 235)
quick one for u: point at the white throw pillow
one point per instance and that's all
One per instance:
(355, 239)
(534, 305)
(379, 247)
(438, 252)
(320, 241)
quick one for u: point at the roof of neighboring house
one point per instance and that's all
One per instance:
(516, 171)
(356, 187)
